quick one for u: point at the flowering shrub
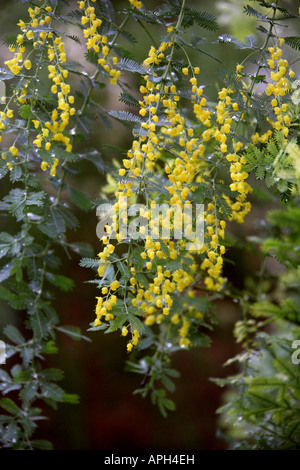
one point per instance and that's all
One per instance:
(156, 282)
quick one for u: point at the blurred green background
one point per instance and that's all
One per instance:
(109, 416)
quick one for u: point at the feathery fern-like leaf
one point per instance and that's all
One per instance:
(293, 41)
(129, 99)
(131, 66)
(250, 41)
(125, 116)
(201, 18)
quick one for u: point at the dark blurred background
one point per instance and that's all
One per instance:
(109, 416)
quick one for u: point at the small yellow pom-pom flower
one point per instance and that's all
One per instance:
(114, 285)
(124, 331)
(27, 64)
(36, 123)
(53, 168)
(44, 166)
(136, 3)
(14, 151)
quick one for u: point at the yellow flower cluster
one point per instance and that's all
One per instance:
(164, 129)
(53, 129)
(98, 42)
(104, 307)
(38, 17)
(225, 109)
(155, 300)
(220, 135)
(185, 168)
(136, 3)
(4, 115)
(278, 87)
(213, 263)
(240, 207)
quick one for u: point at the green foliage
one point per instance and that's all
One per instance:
(262, 402)
(203, 19)
(41, 206)
(263, 411)
(30, 273)
(293, 41)
(250, 41)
